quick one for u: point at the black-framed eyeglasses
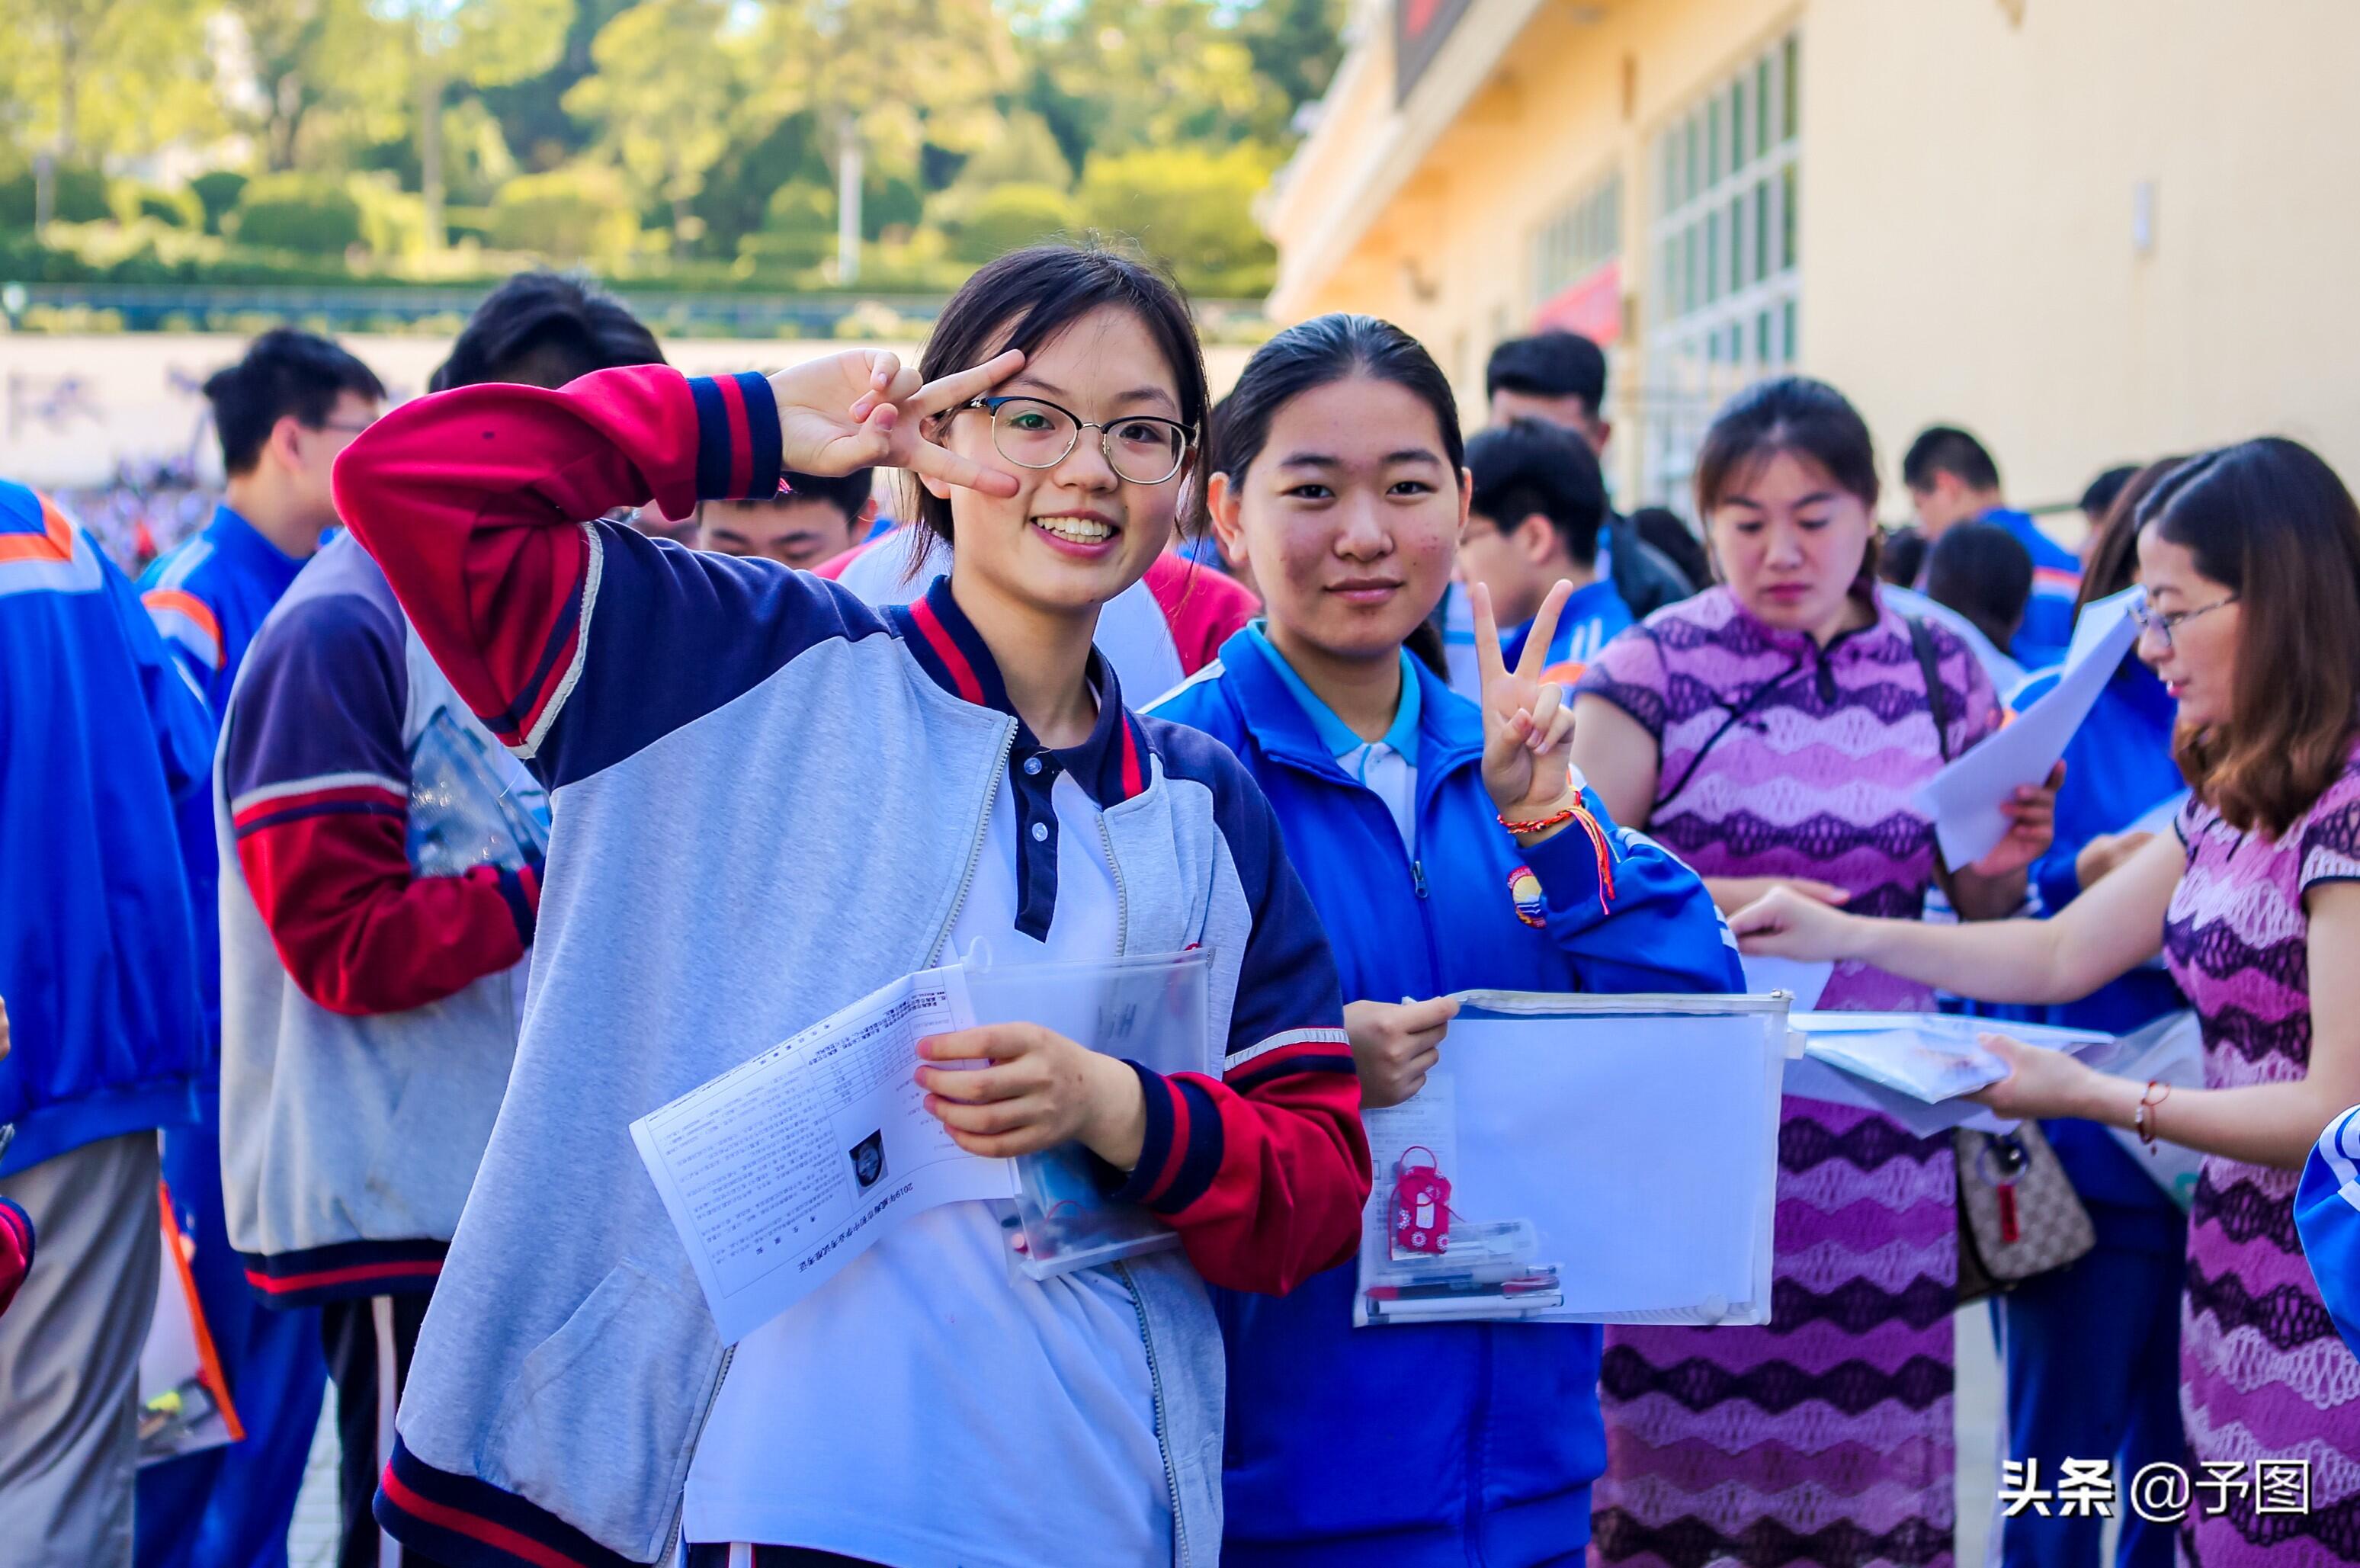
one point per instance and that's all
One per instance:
(1033, 432)
(2165, 623)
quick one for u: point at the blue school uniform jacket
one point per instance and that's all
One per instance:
(1443, 1444)
(2327, 1216)
(2119, 767)
(98, 733)
(2056, 583)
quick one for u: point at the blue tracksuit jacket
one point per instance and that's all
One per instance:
(98, 733)
(2327, 1216)
(1453, 1444)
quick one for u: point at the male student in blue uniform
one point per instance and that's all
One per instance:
(98, 734)
(1537, 515)
(283, 414)
(1951, 479)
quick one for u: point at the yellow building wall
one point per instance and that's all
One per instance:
(1967, 249)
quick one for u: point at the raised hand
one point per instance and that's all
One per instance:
(865, 408)
(1784, 923)
(1527, 720)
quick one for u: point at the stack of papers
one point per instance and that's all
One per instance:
(1913, 1067)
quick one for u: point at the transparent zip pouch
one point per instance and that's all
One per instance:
(1150, 1009)
(467, 809)
(1596, 1158)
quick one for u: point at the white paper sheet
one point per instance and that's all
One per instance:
(1803, 980)
(781, 1172)
(2171, 1049)
(1964, 798)
(1823, 1074)
(1640, 1148)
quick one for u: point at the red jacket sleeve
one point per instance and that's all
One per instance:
(1264, 1170)
(16, 1250)
(318, 782)
(474, 502)
(1204, 608)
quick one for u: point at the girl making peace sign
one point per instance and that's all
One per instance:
(1446, 847)
(770, 799)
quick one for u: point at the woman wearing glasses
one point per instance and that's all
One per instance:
(2250, 557)
(801, 799)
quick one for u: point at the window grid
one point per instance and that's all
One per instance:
(1726, 268)
(1581, 237)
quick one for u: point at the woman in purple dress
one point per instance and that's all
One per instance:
(2250, 557)
(1772, 732)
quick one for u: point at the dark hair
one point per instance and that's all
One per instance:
(1662, 526)
(1901, 556)
(1549, 365)
(1028, 297)
(1790, 414)
(2110, 564)
(1318, 353)
(1946, 449)
(1984, 573)
(2272, 523)
(284, 372)
(847, 493)
(544, 329)
(2099, 494)
(1529, 465)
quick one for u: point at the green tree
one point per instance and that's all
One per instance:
(661, 96)
(475, 43)
(1191, 206)
(86, 79)
(310, 58)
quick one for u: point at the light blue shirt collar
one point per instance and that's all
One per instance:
(1334, 733)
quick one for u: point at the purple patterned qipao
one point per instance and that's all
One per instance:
(1825, 1437)
(2263, 1374)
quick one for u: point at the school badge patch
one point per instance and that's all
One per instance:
(1525, 890)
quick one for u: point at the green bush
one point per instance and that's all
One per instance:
(1009, 216)
(800, 207)
(393, 222)
(310, 213)
(217, 192)
(80, 197)
(1191, 208)
(132, 199)
(770, 252)
(568, 214)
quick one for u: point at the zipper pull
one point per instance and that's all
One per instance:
(1417, 877)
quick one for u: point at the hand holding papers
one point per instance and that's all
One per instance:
(1964, 798)
(781, 1172)
(1913, 1067)
(1582, 1160)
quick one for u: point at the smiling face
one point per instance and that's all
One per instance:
(2200, 666)
(1790, 541)
(1350, 516)
(1076, 533)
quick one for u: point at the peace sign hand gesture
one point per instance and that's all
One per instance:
(1527, 720)
(865, 408)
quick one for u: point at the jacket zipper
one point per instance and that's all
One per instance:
(1137, 1306)
(1162, 1423)
(967, 880)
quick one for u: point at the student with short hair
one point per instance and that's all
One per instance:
(2250, 559)
(381, 883)
(1951, 479)
(283, 412)
(1533, 519)
(1982, 573)
(1341, 478)
(811, 521)
(962, 767)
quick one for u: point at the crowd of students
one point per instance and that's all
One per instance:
(529, 675)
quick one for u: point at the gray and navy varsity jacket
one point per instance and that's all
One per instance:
(767, 797)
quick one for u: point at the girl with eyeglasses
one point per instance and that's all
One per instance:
(1447, 846)
(772, 799)
(2250, 559)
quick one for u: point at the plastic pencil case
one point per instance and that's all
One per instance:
(1150, 1009)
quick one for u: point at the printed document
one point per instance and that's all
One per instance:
(1964, 798)
(781, 1172)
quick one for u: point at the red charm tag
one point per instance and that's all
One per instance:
(1421, 1218)
(2010, 1232)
